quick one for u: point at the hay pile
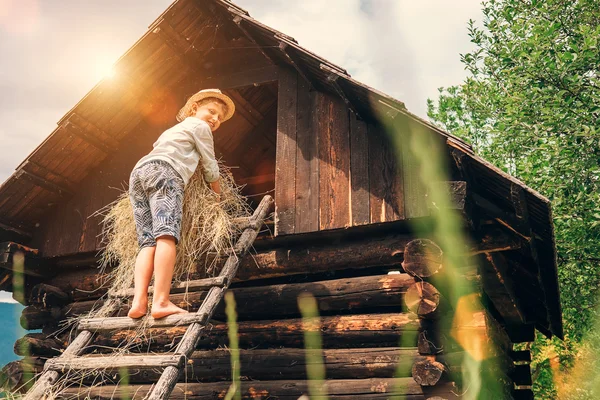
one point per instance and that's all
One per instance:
(207, 227)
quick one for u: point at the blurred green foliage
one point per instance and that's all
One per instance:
(531, 106)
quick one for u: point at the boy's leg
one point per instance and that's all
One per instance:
(144, 266)
(144, 262)
(164, 263)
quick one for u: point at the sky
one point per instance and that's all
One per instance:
(54, 52)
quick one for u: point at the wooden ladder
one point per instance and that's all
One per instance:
(174, 363)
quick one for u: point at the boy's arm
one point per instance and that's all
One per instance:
(203, 140)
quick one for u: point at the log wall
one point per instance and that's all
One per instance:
(383, 334)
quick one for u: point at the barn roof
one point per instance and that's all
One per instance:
(174, 48)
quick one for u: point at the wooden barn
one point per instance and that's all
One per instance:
(347, 197)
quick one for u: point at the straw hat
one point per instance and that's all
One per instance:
(203, 94)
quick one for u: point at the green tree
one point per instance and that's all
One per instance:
(531, 106)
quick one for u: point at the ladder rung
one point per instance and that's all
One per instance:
(114, 362)
(207, 283)
(118, 323)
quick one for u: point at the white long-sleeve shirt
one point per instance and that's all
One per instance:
(185, 145)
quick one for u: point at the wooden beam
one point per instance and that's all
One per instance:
(43, 183)
(279, 301)
(499, 289)
(333, 77)
(357, 389)
(252, 77)
(292, 43)
(103, 145)
(246, 110)
(295, 63)
(180, 45)
(37, 169)
(238, 19)
(263, 364)
(17, 231)
(337, 332)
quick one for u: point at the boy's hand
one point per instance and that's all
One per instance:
(216, 187)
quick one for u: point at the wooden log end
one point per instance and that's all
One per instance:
(428, 372)
(422, 298)
(16, 375)
(422, 258)
(46, 295)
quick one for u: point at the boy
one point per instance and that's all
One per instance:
(156, 188)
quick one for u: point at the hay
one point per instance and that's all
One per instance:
(207, 227)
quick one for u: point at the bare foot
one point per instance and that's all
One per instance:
(161, 311)
(138, 309)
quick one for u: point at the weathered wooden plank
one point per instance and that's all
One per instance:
(385, 177)
(413, 186)
(307, 163)
(359, 171)
(285, 163)
(334, 166)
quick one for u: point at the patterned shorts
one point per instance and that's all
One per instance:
(156, 194)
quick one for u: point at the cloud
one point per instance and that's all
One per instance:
(404, 48)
